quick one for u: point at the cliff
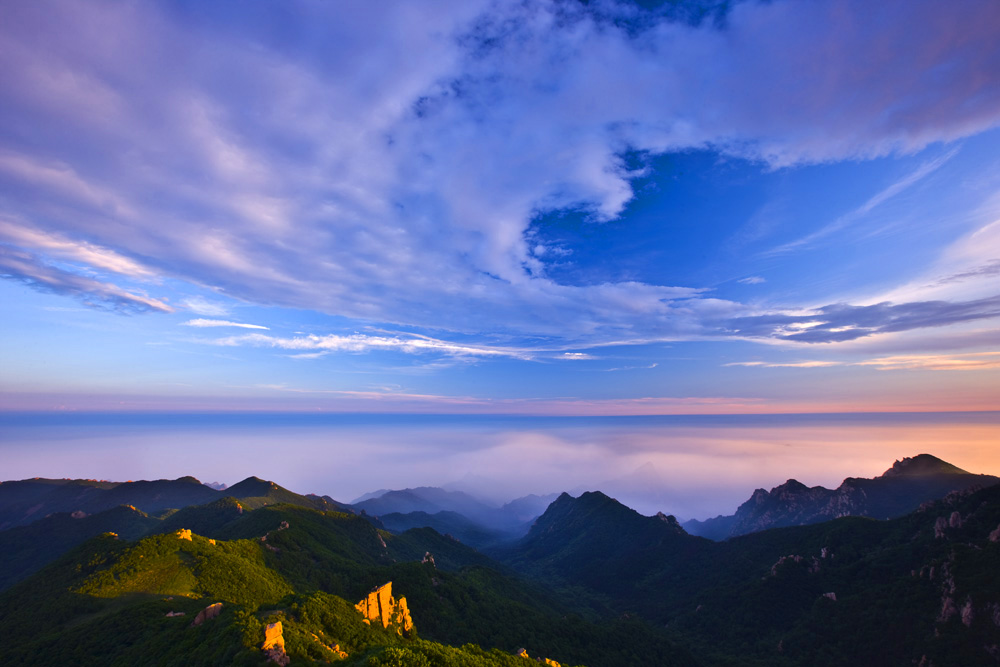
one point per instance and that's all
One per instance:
(382, 607)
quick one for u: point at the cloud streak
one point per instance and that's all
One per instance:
(201, 323)
(30, 270)
(844, 322)
(361, 343)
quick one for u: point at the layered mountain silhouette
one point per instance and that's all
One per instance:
(591, 583)
(455, 513)
(900, 490)
(26, 501)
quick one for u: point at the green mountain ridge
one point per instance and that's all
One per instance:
(848, 591)
(299, 565)
(593, 582)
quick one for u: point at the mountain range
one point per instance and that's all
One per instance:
(899, 490)
(592, 582)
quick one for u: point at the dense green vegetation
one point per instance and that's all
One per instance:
(924, 585)
(594, 583)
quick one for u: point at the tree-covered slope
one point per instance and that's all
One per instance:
(923, 587)
(106, 601)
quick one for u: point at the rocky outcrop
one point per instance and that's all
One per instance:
(335, 649)
(523, 653)
(274, 644)
(908, 485)
(967, 613)
(995, 535)
(172, 614)
(379, 606)
(184, 534)
(207, 614)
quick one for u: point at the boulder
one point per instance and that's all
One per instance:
(207, 614)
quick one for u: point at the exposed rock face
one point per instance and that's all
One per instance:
(382, 607)
(171, 614)
(830, 596)
(184, 534)
(523, 653)
(79, 514)
(207, 614)
(335, 649)
(274, 644)
(273, 637)
(995, 535)
(939, 527)
(428, 558)
(902, 489)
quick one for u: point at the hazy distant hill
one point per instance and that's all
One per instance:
(22, 502)
(454, 524)
(511, 520)
(431, 500)
(900, 490)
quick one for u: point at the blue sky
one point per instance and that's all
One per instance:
(500, 207)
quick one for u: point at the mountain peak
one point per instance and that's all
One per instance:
(251, 486)
(922, 465)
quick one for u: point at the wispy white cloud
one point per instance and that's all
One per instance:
(200, 322)
(857, 215)
(577, 356)
(793, 364)
(631, 368)
(361, 343)
(56, 245)
(752, 280)
(203, 306)
(29, 269)
(971, 361)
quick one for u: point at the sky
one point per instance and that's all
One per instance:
(539, 207)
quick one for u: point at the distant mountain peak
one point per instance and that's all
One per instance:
(921, 465)
(900, 490)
